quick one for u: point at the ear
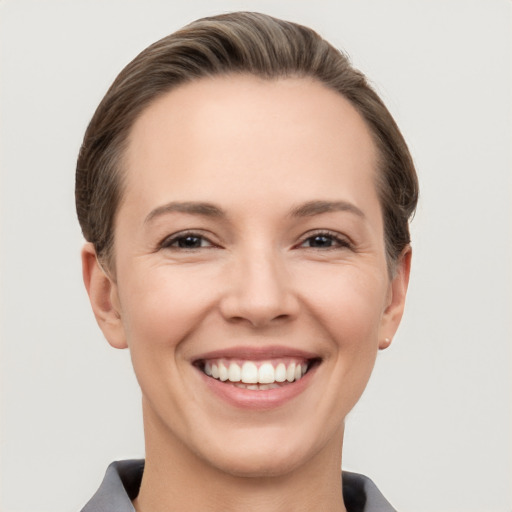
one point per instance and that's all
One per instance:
(103, 294)
(395, 302)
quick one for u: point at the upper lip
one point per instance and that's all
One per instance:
(259, 353)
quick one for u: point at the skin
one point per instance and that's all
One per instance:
(259, 151)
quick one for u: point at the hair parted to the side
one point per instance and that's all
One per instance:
(240, 42)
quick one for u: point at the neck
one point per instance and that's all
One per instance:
(177, 479)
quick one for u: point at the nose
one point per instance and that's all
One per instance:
(260, 291)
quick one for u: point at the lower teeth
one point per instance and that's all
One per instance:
(256, 387)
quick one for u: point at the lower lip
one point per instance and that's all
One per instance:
(258, 399)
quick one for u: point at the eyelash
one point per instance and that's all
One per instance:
(336, 240)
(168, 243)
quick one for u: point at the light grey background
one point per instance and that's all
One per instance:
(434, 427)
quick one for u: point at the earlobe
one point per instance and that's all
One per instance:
(396, 299)
(384, 343)
(102, 291)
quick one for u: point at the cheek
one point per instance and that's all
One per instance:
(161, 310)
(162, 307)
(350, 312)
(348, 302)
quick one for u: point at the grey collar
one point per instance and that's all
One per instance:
(122, 481)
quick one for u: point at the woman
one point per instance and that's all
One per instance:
(245, 196)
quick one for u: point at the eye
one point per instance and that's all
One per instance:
(186, 241)
(325, 240)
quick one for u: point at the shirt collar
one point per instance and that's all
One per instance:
(122, 481)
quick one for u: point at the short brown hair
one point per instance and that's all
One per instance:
(240, 42)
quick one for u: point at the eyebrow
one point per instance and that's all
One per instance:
(318, 207)
(308, 209)
(190, 207)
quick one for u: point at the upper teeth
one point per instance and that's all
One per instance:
(250, 373)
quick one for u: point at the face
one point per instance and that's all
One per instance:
(251, 282)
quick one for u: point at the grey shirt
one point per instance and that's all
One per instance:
(122, 481)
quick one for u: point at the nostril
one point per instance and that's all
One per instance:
(237, 319)
(259, 321)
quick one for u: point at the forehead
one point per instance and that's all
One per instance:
(232, 128)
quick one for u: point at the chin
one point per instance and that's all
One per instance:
(259, 464)
(263, 452)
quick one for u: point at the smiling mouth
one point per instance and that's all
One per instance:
(257, 375)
